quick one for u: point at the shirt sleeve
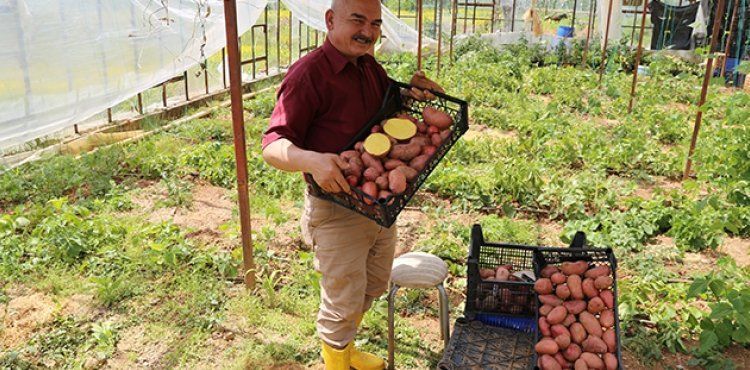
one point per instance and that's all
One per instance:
(293, 113)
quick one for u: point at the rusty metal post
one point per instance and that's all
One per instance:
(139, 97)
(704, 89)
(278, 35)
(513, 17)
(109, 115)
(589, 25)
(238, 127)
(573, 21)
(187, 90)
(604, 45)
(164, 94)
(419, 35)
(224, 67)
(638, 55)
(732, 24)
(492, 21)
(454, 10)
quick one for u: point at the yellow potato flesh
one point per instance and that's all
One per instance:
(400, 128)
(377, 144)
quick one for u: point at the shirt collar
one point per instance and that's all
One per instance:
(338, 61)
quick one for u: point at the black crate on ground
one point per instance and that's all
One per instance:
(476, 346)
(485, 299)
(384, 212)
(596, 257)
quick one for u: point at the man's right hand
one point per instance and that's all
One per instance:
(326, 171)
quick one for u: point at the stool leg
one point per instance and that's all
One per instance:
(391, 333)
(444, 316)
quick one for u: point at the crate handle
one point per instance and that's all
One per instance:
(477, 240)
(579, 240)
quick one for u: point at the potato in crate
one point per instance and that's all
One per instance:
(396, 151)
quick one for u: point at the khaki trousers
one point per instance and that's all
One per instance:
(354, 256)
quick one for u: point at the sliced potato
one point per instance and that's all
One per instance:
(377, 144)
(400, 128)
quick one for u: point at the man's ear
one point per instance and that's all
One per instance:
(329, 19)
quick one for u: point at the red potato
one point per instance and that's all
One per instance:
(563, 341)
(382, 182)
(574, 284)
(588, 288)
(432, 130)
(547, 362)
(549, 270)
(573, 352)
(445, 134)
(575, 307)
(580, 365)
(502, 274)
(558, 278)
(407, 116)
(436, 139)
(408, 172)
(545, 309)
(594, 345)
(603, 282)
(574, 268)
(543, 286)
(608, 297)
(429, 150)
(370, 161)
(405, 152)
(371, 174)
(383, 196)
(396, 182)
(558, 330)
(562, 361)
(550, 299)
(610, 361)
(486, 273)
(420, 140)
(348, 155)
(610, 339)
(562, 291)
(577, 332)
(590, 323)
(544, 327)
(569, 320)
(419, 162)
(393, 164)
(596, 305)
(592, 360)
(598, 271)
(359, 146)
(547, 346)
(557, 315)
(352, 180)
(421, 127)
(436, 118)
(376, 128)
(355, 168)
(607, 318)
(370, 189)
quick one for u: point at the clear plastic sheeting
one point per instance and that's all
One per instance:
(398, 36)
(64, 61)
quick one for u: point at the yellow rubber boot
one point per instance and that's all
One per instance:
(365, 360)
(336, 359)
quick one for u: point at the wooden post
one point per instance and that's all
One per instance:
(592, 6)
(704, 89)
(238, 127)
(454, 10)
(729, 37)
(604, 45)
(638, 55)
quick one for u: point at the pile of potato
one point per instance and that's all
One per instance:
(507, 298)
(395, 152)
(576, 317)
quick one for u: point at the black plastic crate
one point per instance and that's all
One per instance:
(486, 300)
(385, 211)
(576, 252)
(476, 346)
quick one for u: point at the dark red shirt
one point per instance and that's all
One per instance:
(325, 100)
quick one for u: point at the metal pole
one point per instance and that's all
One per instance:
(729, 37)
(573, 21)
(439, 34)
(238, 127)
(419, 35)
(492, 22)
(454, 10)
(632, 29)
(589, 25)
(278, 34)
(638, 55)
(704, 90)
(604, 45)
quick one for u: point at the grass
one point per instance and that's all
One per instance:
(572, 159)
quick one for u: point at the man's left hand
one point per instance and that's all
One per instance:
(422, 86)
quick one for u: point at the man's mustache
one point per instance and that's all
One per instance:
(363, 39)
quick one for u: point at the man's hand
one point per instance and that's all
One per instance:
(326, 171)
(422, 86)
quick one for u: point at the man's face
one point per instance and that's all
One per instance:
(354, 26)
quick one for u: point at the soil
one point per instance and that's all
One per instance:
(22, 316)
(738, 249)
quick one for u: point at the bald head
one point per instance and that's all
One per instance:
(353, 26)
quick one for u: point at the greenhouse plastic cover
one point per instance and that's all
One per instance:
(398, 35)
(64, 61)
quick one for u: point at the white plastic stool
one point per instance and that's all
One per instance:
(417, 270)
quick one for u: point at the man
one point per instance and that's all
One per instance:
(324, 100)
